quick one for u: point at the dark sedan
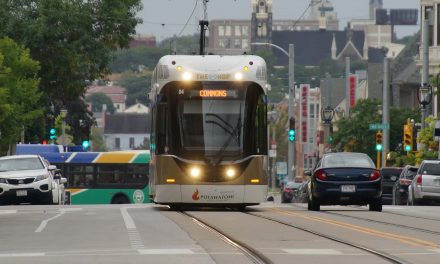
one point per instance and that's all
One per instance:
(389, 177)
(345, 179)
(400, 188)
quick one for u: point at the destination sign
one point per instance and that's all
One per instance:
(218, 93)
(212, 77)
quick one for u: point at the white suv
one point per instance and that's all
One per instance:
(425, 187)
(29, 179)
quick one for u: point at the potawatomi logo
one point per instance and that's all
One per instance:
(195, 195)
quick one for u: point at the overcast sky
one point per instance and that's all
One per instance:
(165, 18)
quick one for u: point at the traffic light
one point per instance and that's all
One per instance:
(292, 132)
(407, 137)
(379, 141)
(85, 134)
(52, 133)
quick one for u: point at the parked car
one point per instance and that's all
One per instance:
(425, 186)
(389, 177)
(400, 188)
(29, 179)
(289, 191)
(302, 193)
(345, 179)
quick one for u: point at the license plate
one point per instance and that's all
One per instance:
(348, 188)
(21, 193)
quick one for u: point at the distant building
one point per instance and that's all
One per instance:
(232, 37)
(143, 41)
(116, 93)
(125, 131)
(138, 108)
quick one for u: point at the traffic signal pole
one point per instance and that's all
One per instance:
(385, 109)
(291, 168)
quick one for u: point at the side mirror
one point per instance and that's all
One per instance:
(308, 173)
(63, 180)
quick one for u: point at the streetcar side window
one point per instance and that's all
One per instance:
(161, 128)
(261, 127)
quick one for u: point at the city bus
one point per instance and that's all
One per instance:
(209, 131)
(115, 177)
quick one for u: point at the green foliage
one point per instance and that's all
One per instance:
(137, 85)
(59, 129)
(353, 132)
(98, 99)
(72, 39)
(135, 58)
(19, 93)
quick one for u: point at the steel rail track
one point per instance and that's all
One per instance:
(383, 255)
(249, 252)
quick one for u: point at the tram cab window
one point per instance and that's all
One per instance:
(161, 128)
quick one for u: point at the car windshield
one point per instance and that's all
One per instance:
(431, 169)
(21, 164)
(293, 185)
(387, 173)
(410, 173)
(347, 160)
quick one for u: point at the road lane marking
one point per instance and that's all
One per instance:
(62, 211)
(311, 251)
(159, 251)
(20, 255)
(403, 239)
(129, 223)
(133, 234)
(8, 212)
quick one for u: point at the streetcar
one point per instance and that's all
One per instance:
(209, 131)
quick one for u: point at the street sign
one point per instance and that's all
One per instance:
(272, 153)
(281, 168)
(379, 126)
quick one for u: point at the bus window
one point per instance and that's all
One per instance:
(137, 174)
(80, 175)
(111, 173)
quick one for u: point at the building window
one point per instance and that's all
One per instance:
(227, 30)
(237, 31)
(131, 142)
(244, 43)
(224, 43)
(221, 31)
(237, 43)
(245, 30)
(117, 143)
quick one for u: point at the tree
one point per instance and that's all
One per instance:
(72, 39)
(19, 93)
(353, 133)
(138, 87)
(135, 58)
(99, 99)
(185, 45)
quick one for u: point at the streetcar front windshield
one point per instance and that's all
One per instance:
(212, 126)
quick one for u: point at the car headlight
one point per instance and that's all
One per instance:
(3, 180)
(41, 177)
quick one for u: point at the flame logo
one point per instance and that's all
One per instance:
(195, 195)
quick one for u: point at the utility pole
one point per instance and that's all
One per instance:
(425, 65)
(203, 26)
(291, 168)
(385, 109)
(347, 86)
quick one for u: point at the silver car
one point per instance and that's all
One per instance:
(425, 186)
(29, 179)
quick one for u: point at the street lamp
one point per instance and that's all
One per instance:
(424, 97)
(327, 114)
(291, 145)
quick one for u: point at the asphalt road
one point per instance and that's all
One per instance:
(154, 234)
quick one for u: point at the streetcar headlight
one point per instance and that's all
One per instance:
(230, 172)
(187, 76)
(238, 76)
(195, 172)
